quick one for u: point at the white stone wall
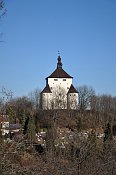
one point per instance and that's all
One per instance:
(72, 99)
(47, 101)
(59, 99)
(63, 82)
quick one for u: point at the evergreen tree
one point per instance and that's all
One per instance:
(50, 136)
(1, 137)
(92, 137)
(31, 129)
(107, 132)
(25, 125)
(79, 124)
(114, 130)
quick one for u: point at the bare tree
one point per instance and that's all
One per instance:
(2, 13)
(104, 107)
(1, 105)
(5, 96)
(2, 8)
(18, 109)
(34, 97)
(59, 98)
(85, 95)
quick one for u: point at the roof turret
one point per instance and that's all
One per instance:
(59, 72)
(59, 64)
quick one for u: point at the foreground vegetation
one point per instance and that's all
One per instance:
(92, 156)
(56, 142)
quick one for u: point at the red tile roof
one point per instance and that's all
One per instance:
(46, 89)
(72, 89)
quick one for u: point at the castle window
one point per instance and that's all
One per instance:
(64, 79)
(55, 79)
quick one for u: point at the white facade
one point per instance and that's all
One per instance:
(60, 82)
(73, 100)
(47, 101)
(59, 92)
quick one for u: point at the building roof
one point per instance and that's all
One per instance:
(59, 72)
(72, 89)
(4, 118)
(14, 126)
(46, 89)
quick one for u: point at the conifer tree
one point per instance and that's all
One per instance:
(79, 124)
(107, 132)
(31, 129)
(1, 138)
(92, 137)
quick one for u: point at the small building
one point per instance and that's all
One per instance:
(4, 123)
(59, 92)
(6, 127)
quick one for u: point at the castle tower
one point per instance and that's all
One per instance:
(59, 92)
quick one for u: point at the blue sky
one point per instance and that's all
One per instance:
(84, 31)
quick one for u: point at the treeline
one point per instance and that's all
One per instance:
(92, 109)
(95, 112)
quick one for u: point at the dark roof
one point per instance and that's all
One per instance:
(59, 72)
(72, 89)
(46, 89)
(14, 126)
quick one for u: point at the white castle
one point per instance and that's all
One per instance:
(59, 92)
